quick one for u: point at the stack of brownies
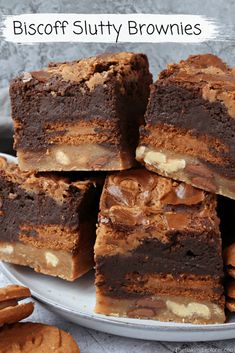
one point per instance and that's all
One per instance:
(158, 250)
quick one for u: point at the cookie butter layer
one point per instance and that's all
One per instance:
(163, 308)
(84, 157)
(59, 263)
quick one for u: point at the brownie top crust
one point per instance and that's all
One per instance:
(215, 78)
(55, 186)
(31, 202)
(92, 72)
(149, 223)
(142, 198)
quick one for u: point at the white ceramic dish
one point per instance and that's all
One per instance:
(75, 302)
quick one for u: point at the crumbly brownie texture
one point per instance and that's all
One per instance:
(162, 241)
(81, 115)
(31, 337)
(47, 222)
(190, 125)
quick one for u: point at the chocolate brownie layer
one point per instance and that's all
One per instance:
(152, 229)
(95, 104)
(49, 216)
(191, 118)
(188, 255)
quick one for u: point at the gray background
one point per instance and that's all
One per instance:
(17, 58)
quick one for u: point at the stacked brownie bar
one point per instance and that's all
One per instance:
(190, 125)
(166, 251)
(158, 252)
(47, 221)
(189, 133)
(83, 116)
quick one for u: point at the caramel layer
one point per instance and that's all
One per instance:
(188, 169)
(83, 157)
(163, 308)
(59, 263)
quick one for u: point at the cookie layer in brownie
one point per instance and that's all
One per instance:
(158, 250)
(81, 115)
(189, 133)
(47, 221)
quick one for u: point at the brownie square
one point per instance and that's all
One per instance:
(189, 133)
(81, 115)
(48, 221)
(158, 250)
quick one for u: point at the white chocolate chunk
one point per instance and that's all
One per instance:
(51, 259)
(189, 310)
(160, 160)
(173, 165)
(6, 249)
(153, 157)
(62, 158)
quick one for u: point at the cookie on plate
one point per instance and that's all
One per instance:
(10, 309)
(36, 338)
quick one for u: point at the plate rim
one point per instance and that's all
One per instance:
(179, 327)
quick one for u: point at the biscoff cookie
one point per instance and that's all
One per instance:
(36, 338)
(10, 310)
(230, 300)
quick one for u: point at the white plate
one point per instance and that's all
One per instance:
(75, 302)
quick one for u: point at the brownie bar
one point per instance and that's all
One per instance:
(189, 133)
(161, 239)
(47, 221)
(81, 115)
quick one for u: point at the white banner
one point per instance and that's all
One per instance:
(108, 28)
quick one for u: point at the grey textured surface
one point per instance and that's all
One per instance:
(17, 58)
